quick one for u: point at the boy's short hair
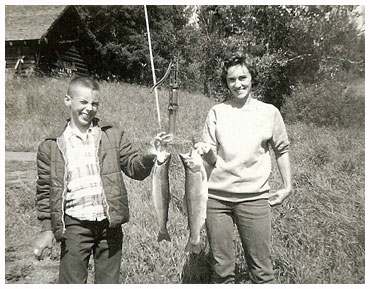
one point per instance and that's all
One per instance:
(83, 81)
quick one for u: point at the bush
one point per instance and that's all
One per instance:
(271, 79)
(329, 102)
(270, 82)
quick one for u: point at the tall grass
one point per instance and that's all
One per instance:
(34, 109)
(318, 233)
(329, 102)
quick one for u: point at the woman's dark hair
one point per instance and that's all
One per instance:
(235, 58)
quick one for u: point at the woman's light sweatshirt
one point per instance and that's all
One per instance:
(241, 139)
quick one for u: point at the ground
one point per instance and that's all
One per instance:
(20, 265)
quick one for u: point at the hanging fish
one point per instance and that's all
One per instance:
(161, 193)
(196, 196)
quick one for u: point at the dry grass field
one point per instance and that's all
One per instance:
(318, 233)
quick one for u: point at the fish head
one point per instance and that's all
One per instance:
(193, 161)
(162, 156)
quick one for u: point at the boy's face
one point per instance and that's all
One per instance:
(83, 103)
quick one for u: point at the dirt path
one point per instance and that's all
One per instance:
(20, 156)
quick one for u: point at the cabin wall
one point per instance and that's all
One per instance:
(63, 45)
(21, 55)
(61, 52)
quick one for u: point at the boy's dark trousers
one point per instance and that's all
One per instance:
(82, 238)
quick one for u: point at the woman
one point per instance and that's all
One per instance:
(241, 130)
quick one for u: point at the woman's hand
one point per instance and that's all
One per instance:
(279, 196)
(205, 150)
(202, 147)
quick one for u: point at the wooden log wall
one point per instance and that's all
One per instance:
(72, 60)
(24, 51)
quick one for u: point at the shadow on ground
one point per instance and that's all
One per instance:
(196, 269)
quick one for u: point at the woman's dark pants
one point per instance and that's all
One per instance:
(253, 221)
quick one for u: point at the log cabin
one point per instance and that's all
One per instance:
(49, 40)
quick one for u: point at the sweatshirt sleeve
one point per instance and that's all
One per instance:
(209, 130)
(280, 143)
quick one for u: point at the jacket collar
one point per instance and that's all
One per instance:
(60, 129)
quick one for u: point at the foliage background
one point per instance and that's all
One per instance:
(308, 61)
(289, 44)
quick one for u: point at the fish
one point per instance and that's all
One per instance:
(195, 198)
(161, 193)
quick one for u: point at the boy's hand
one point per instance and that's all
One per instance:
(160, 142)
(278, 197)
(43, 240)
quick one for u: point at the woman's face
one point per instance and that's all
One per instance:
(239, 81)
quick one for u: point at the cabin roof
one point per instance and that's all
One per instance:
(30, 22)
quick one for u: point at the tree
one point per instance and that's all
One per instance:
(122, 32)
(288, 44)
(259, 31)
(324, 40)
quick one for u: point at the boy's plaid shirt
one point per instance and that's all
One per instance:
(85, 194)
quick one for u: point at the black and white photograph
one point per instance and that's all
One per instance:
(184, 143)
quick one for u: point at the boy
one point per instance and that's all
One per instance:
(81, 198)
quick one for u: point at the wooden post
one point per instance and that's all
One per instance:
(173, 98)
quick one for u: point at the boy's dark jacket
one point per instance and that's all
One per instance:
(115, 155)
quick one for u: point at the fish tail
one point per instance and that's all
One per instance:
(193, 248)
(164, 235)
(184, 205)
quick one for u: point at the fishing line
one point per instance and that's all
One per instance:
(153, 71)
